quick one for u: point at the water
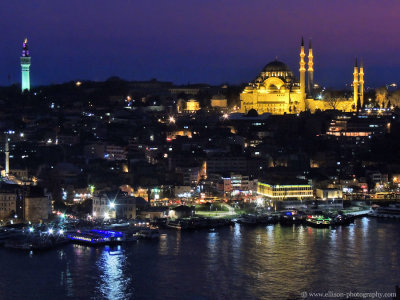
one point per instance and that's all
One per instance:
(267, 262)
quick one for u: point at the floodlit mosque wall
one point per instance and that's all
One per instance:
(278, 103)
(343, 104)
(277, 91)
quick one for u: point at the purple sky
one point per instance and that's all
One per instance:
(211, 41)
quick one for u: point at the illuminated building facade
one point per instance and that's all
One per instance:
(219, 101)
(192, 105)
(285, 192)
(276, 90)
(23, 203)
(358, 127)
(116, 205)
(8, 204)
(329, 193)
(25, 65)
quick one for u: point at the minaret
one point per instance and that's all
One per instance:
(302, 70)
(361, 84)
(355, 84)
(7, 157)
(310, 69)
(25, 64)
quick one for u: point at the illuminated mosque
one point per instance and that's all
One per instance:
(276, 90)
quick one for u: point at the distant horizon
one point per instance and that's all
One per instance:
(209, 42)
(33, 86)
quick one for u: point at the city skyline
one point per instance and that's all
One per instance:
(199, 149)
(211, 42)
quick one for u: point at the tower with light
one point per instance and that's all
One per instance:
(25, 65)
(310, 69)
(361, 83)
(302, 70)
(355, 84)
(7, 157)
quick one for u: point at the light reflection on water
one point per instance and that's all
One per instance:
(113, 283)
(238, 262)
(163, 245)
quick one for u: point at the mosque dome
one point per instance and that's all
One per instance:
(276, 66)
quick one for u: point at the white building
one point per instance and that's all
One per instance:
(116, 205)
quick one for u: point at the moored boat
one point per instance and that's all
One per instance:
(341, 220)
(149, 233)
(247, 219)
(318, 221)
(96, 237)
(177, 224)
(389, 212)
(292, 217)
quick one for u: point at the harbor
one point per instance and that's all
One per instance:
(275, 258)
(92, 233)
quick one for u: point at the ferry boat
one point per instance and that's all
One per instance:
(96, 237)
(318, 221)
(390, 212)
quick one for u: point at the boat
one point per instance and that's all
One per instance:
(258, 219)
(218, 222)
(149, 233)
(247, 219)
(341, 220)
(292, 217)
(177, 224)
(96, 237)
(7, 233)
(31, 243)
(273, 219)
(388, 212)
(318, 221)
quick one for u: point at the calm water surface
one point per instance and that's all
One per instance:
(271, 262)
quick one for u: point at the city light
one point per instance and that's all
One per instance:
(190, 152)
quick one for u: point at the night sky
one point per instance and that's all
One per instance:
(209, 41)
